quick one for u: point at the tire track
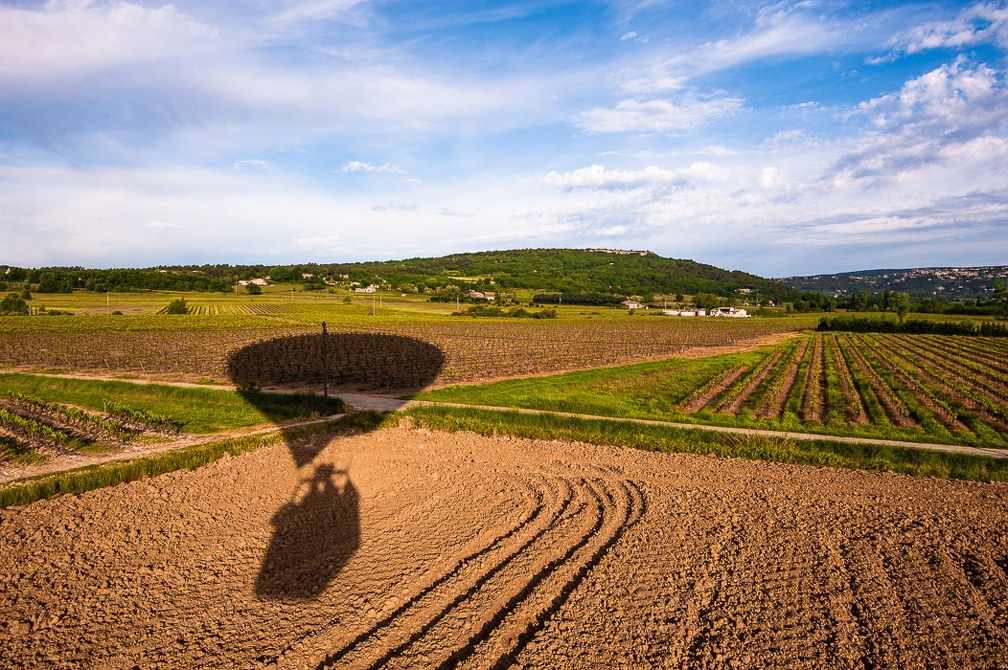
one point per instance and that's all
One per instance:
(530, 491)
(491, 603)
(434, 593)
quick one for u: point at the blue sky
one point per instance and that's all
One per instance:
(779, 138)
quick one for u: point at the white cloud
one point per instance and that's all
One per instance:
(771, 177)
(361, 166)
(659, 116)
(951, 95)
(597, 176)
(951, 119)
(249, 163)
(981, 23)
(68, 39)
(778, 35)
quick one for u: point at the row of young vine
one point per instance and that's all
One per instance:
(32, 429)
(931, 387)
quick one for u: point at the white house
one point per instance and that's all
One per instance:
(730, 312)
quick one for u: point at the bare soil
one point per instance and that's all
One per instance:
(409, 548)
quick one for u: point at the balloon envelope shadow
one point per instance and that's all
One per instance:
(318, 530)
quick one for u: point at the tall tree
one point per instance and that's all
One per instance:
(901, 304)
(1001, 298)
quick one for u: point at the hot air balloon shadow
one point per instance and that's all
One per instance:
(317, 531)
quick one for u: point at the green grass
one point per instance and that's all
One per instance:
(81, 480)
(644, 390)
(195, 410)
(663, 439)
(655, 391)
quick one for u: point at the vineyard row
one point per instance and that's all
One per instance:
(927, 385)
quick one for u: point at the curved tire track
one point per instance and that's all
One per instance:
(489, 604)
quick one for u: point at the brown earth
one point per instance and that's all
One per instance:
(409, 548)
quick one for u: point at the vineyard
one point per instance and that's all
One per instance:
(33, 430)
(935, 387)
(921, 388)
(194, 347)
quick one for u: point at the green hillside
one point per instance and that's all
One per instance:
(567, 270)
(573, 271)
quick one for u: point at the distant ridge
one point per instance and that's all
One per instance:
(934, 283)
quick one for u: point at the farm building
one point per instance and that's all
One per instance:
(730, 312)
(684, 312)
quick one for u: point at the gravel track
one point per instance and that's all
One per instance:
(410, 548)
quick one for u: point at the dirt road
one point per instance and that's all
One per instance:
(407, 548)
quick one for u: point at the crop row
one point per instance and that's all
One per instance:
(32, 429)
(927, 385)
(473, 350)
(33, 432)
(93, 424)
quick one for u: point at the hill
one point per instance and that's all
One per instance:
(941, 284)
(601, 271)
(605, 271)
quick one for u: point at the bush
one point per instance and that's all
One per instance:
(177, 306)
(13, 305)
(877, 324)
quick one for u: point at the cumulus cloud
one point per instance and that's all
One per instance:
(659, 116)
(771, 177)
(953, 113)
(981, 23)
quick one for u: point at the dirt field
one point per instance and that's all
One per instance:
(405, 548)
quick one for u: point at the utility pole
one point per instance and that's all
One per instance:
(325, 363)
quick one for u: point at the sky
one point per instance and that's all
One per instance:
(779, 138)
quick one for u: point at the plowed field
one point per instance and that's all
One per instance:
(407, 548)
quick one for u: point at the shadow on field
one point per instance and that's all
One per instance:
(318, 530)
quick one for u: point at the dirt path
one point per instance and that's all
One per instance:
(409, 548)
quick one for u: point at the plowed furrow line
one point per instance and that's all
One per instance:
(408, 623)
(550, 602)
(524, 615)
(945, 368)
(814, 391)
(895, 412)
(755, 379)
(319, 638)
(774, 402)
(443, 641)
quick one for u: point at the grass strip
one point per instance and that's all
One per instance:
(81, 480)
(194, 410)
(916, 462)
